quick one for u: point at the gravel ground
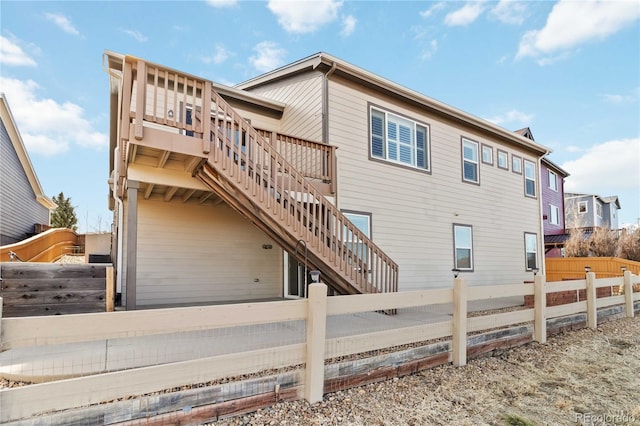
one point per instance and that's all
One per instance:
(581, 377)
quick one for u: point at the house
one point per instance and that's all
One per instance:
(23, 204)
(552, 179)
(236, 193)
(588, 211)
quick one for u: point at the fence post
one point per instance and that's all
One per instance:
(592, 311)
(540, 306)
(316, 335)
(110, 295)
(459, 338)
(628, 294)
(1, 324)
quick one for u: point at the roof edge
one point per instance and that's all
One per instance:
(313, 61)
(23, 155)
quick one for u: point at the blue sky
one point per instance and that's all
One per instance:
(569, 70)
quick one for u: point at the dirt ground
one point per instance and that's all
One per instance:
(580, 377)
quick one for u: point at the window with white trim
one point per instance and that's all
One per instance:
(554, 215)
(362, 221)
(553, 181)
(583, 207)
(399, 140)
(463, 247)
(470, 169)
(599, 209)
(529, 178)
(531, 250)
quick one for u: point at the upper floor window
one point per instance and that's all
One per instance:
(470, 172)
(599, 209)
(400, 140)
(487, 154)
(553, 181)
(503, 160)
(531, 251)
(554, 215)
(516, 164)
(462, 247)
(529, 178)
(582, 207)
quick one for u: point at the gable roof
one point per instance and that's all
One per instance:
(554, 167)
(526, 132)
(330, 65)
(18, 146)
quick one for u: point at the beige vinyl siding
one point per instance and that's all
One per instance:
(413, 212)
(303, 98)
(188, 252)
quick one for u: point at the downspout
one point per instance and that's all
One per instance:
(325, 127)
(543, 264)
(118, 200)
(325, 103)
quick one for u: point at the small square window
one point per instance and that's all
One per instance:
(503, 160)
(516, 164)
(582, 207)
(487, 154)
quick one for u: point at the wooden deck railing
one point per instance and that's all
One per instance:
(274, 180)
(44, 247)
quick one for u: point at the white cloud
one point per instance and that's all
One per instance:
(62, 22)
(48, 127)
(304, 16)
(572, 23)
(622, 98)
(269, 56)
(609, 168)
(465, 15)
(348, 25)
(220, 54)
(512, 117)
(140, 38)
(433, 9)
(510, 12)
(430, 50)
(222, 3)
(12, 54)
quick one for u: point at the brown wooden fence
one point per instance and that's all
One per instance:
(572, 268)
(54, 289)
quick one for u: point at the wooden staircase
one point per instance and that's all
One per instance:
(274, 189)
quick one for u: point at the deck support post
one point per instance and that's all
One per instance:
(132, 244)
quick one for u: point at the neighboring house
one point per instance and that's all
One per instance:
(23, 203)
(319, 164)
(553, 216)
(591, 211)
